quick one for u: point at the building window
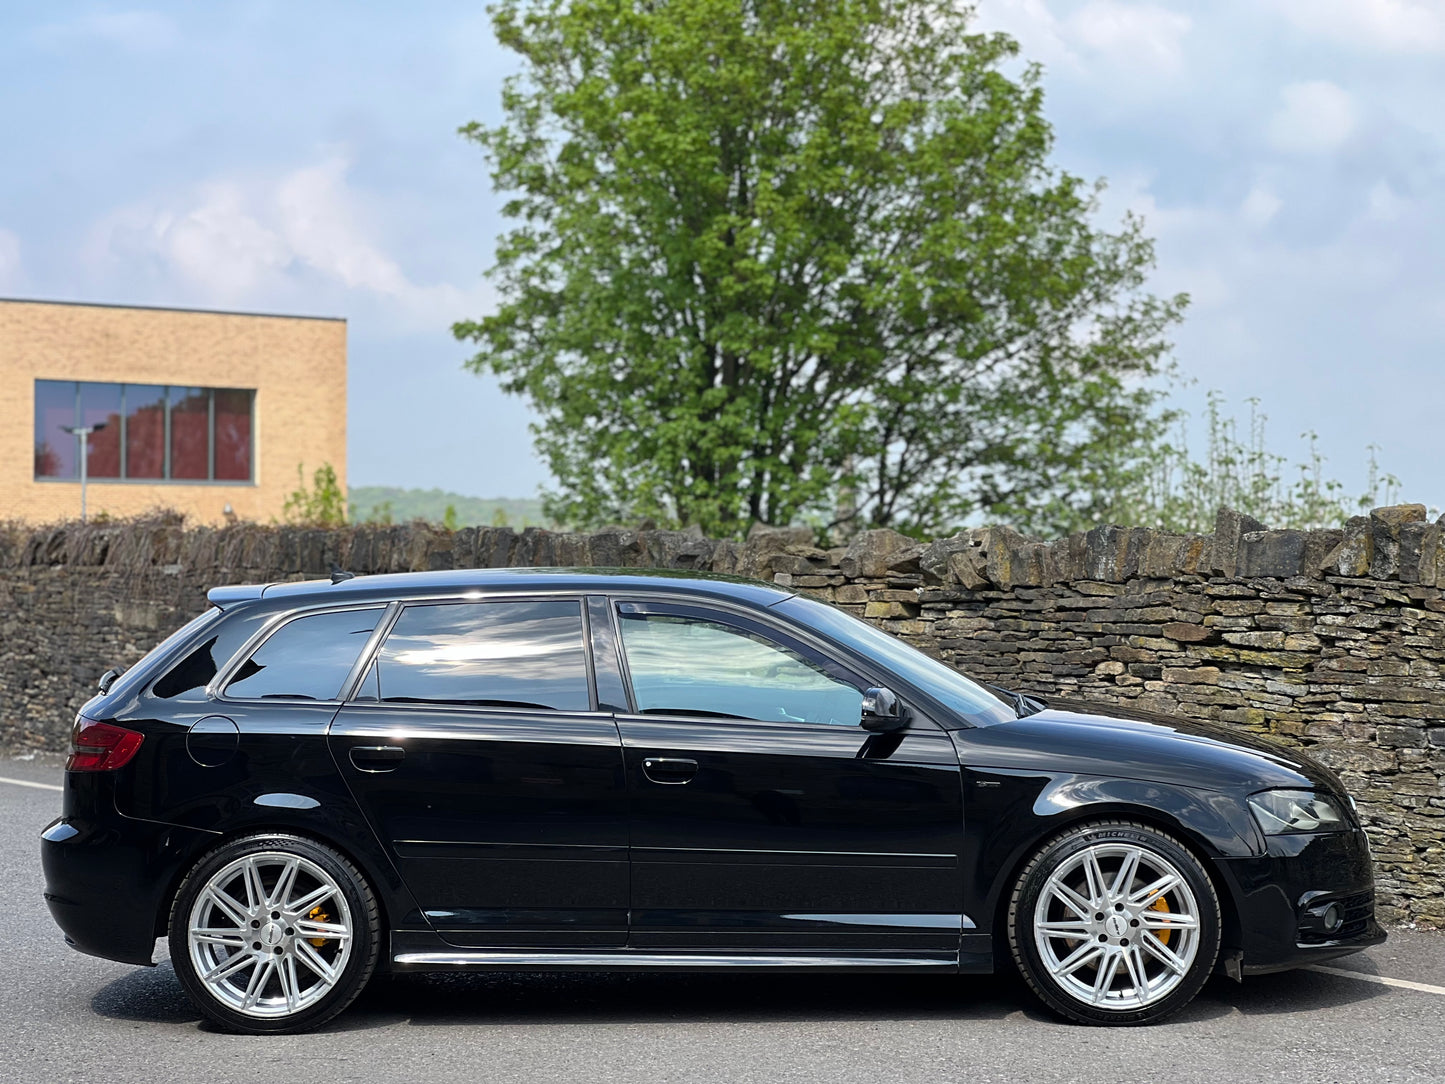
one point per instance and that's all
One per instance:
(151, 432)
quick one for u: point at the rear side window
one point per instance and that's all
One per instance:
(225, 634)
(485, 654)
(307, 658)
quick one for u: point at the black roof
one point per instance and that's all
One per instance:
(456, 581)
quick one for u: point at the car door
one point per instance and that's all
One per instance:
(764, 818)
(474, 747)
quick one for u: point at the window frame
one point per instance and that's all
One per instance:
(373, 657)
(216, 689)
(165, 479)
(748, 621)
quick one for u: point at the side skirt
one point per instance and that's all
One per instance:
(624, 960)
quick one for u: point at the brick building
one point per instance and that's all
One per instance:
(207, 413)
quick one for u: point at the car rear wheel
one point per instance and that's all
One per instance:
(273, 934)
(1114, 923)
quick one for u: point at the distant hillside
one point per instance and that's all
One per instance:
(392, 504)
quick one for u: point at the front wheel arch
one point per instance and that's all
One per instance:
(1231, 932)
(1098, 881)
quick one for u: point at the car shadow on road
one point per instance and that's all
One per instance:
(154, 995)
(151, 995)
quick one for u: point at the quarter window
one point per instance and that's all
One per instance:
(485, 654)
(306, 659)
(683, 665)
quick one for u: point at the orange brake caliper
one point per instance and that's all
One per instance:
(1161, 904)
(318, 915)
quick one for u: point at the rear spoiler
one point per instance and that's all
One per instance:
(221, 597)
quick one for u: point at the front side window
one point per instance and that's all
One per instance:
(144, 431)
(307, 658)
(485, 654)
(684, 665)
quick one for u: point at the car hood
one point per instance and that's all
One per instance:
(1096, 739)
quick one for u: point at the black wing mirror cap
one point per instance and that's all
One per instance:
(107, 679)
(882, 711)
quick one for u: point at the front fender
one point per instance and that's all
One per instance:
(1010, 813)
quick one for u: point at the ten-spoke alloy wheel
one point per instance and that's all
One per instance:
(273, 934)
(1114, 923)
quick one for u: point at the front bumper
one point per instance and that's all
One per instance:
(108, 878)
(1273, 891)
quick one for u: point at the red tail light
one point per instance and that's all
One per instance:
(100, 747)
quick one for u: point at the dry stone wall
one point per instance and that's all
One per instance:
(1330, 639)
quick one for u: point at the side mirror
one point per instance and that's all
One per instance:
(107, 679)
(882, 711)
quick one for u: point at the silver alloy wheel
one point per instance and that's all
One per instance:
(270, 934)
(1117, 926)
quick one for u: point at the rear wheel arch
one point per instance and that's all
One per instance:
(198, 854)
(251, 956)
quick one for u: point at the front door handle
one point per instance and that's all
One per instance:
(669, 769)
(377, 758)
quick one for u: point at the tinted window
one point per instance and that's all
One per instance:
(487, 654)
(306, 659)
(55, 449)
(688, 666)
(210, 431)
(938, 680)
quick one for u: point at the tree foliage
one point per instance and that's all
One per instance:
(774, 258)
(1179, 492)
(322, 504)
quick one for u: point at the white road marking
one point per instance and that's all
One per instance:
(28, 783)
(1383, 980)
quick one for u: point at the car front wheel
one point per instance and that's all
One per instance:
(1114, 923)
(273, 934)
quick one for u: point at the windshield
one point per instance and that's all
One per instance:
(937, 680)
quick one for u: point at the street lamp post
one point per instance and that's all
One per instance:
(82, 435)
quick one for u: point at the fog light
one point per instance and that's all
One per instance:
(1324, 918)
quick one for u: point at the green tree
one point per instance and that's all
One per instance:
(322, 504)
(774, 257)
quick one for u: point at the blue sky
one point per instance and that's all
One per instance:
(302, 157)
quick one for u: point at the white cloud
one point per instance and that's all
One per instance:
(1384, 204)
(1313, 117)
(10, 266)
(135, 31)
(1260, 205)
(242, 242)
(1034, 26)
(1393, 26)
(1143, 36)
(1107, 37)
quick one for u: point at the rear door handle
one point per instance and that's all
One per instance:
(669, 769)
(377, 758)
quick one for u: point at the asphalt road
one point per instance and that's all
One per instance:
(68, 1017)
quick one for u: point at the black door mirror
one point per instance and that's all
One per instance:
(882, 710)
(107, 679)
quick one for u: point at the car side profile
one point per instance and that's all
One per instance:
(537, 769)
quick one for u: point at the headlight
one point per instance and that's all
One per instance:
(1280, 812)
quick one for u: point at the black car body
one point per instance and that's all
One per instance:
(581, 769)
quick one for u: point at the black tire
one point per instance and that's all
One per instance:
(1107, 952)
(356, 953)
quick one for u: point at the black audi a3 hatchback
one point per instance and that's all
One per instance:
(547, 769)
